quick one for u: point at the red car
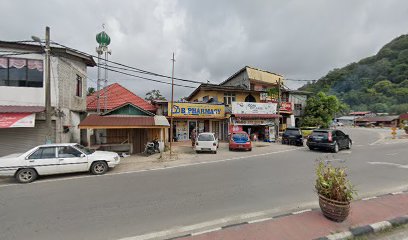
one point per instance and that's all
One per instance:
(240, 140)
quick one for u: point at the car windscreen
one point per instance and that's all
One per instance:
(205, 137)
(292, 132)
(240, 137)
(85, 150)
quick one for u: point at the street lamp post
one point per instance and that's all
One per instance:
(47, 68)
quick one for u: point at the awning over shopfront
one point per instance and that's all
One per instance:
(95, 121)
(256, 116)
(18, 116)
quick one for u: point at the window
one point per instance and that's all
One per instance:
(206, 98)
(20, 72)
(78, 86)
(298, 106)
(43, 153)
(68, 152)
(205, 137)
(229, 98)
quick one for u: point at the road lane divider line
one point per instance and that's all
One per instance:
(260, 220)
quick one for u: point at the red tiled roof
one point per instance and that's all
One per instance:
(21, 109)
(95, 120)
(262, 116)
(404, 116)
(117, 96)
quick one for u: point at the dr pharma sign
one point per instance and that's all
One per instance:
(12, 120)
(253, 108)
(197, 110)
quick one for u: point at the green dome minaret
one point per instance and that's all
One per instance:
(103, 39)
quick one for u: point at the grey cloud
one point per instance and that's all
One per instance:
(213, 39)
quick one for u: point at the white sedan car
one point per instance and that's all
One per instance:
(54, 159)
(206, 142)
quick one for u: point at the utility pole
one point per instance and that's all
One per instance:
(48, 110)
(278, 107)
(172, 102)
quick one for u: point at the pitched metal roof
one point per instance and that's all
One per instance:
(55, 49)
(404, 116)
(122, 121)
(117, 96)
(21, 109)
(253, 70)
(378, 119)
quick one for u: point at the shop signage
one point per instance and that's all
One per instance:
(12, 120)
(253, 108)
(286, 106)
(181, 110)
(238, 121)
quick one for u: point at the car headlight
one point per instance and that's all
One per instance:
(116, 158)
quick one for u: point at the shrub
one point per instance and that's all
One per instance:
(332, 183)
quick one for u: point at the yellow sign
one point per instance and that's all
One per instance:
(197, 110)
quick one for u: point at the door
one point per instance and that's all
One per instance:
(192, 124)
(71, 160)
(43, 160)
(342, 139)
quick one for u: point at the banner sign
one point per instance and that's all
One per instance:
(197, 110)
(12, 120)
(253, 108)
(286, 106)
(246, 122)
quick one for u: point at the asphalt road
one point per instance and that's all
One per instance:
(118, 206)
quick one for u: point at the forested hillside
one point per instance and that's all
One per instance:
(378, 83)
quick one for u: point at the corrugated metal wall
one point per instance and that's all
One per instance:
(19, 140)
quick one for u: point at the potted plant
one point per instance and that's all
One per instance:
(335, 191)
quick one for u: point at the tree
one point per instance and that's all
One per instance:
(321, 109)
(154, 95)
(90, 91)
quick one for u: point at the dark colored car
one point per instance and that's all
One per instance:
(240, 140)
(329, 139)
(292, 136)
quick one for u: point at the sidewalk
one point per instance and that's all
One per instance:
(311, 224)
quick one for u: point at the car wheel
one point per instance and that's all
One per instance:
(197, 151)
(215, 152)
(250, 149)
(336, 148)
(230, 149)
(311, 148)
(99, 167)
(349, 144)
(26, 175)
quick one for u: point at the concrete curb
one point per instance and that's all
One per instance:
(353, 232)
(367, 229)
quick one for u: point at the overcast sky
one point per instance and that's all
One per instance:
(213, 39)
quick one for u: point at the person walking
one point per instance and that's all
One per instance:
(193, 137)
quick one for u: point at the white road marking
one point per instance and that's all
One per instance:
(368, 198)
(389, 163)
(302, 211)
(156, 169)
(206, 231)
(391, 154)
(396, 193)
(260, 220)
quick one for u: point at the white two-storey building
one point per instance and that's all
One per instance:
(22, 95)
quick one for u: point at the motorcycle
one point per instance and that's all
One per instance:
(151, 147)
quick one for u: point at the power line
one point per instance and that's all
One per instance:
(138, 70)
(149, 79)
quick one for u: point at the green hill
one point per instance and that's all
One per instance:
(378, 83)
